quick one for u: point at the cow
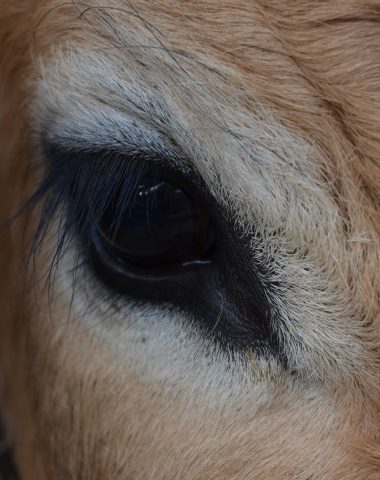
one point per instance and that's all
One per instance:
(190, 261)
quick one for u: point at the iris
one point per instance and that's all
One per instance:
(163, 226)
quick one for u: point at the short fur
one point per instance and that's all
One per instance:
(276, 104)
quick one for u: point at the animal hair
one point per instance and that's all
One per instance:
(274, 106)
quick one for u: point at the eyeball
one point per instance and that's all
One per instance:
(162, 227)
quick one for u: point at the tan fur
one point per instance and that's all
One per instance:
(277, 105)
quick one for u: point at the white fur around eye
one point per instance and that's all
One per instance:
(274, 186)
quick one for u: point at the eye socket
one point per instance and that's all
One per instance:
(162, 228)
(151, 231)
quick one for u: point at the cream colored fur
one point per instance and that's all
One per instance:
(276, 105)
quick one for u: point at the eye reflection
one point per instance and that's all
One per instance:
(161, 227)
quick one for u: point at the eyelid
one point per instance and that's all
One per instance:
(173, 165)
(121, 135)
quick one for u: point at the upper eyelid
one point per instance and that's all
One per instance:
(171, 164)
(126, 137)
(77, 116)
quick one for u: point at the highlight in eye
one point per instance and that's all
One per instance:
(161, 227)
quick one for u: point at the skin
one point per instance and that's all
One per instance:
(276, 106)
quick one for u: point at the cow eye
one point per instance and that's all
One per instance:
(150, 231)
(162, 228)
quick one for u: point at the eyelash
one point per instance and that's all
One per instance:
(74, 192)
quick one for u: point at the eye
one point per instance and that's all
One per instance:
(151, 232)
(161, 227)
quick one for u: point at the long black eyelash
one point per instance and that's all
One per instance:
(75, 192)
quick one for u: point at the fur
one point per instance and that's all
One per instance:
(276, 105)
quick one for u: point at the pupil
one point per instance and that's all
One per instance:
(161, 226)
